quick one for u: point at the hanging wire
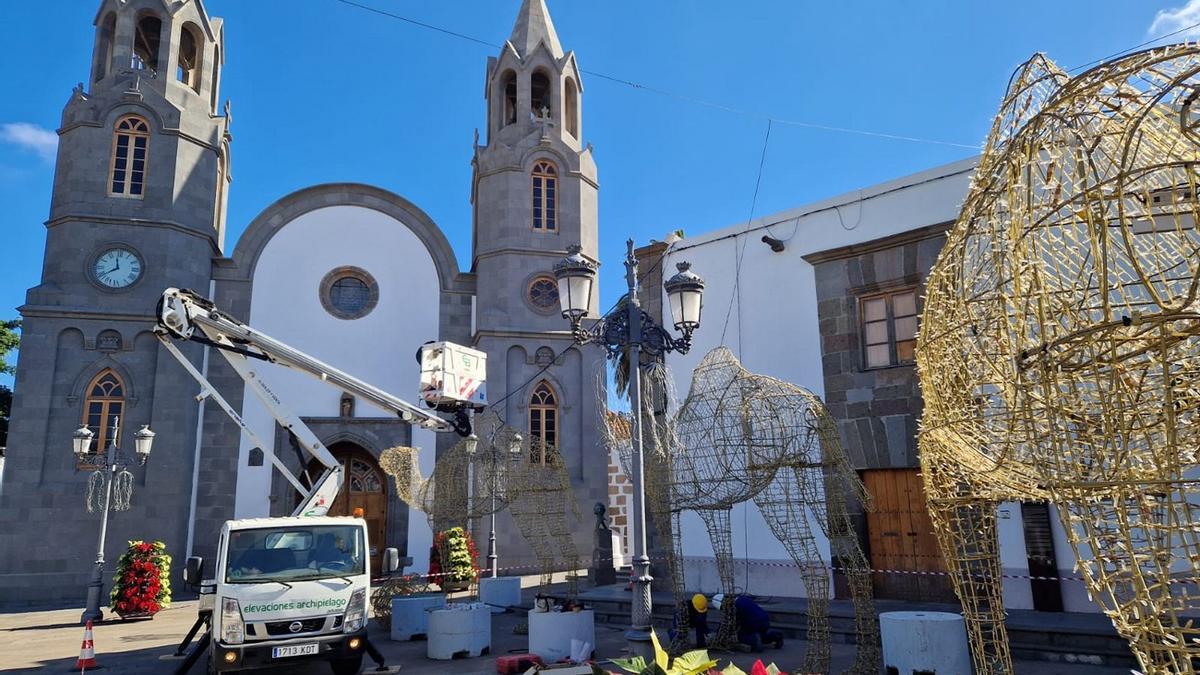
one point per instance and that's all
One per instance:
(741, 111)
(837, 208)
(1134, 48)
(738, 253)
(674, 95)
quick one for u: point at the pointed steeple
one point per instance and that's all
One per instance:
(534, 26)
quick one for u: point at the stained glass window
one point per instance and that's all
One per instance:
(349, 295)
(543, 293)
(364, 477)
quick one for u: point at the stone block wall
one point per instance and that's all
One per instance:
(620, 488)
(877, 409)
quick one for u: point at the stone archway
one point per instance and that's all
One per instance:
(364, 487)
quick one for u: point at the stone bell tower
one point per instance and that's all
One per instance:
(534, 193)
(137, 206)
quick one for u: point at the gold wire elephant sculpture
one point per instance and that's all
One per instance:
(741, 437)
(1060, 345)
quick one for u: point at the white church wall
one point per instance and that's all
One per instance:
(772, 320)
(1014, 560)
(377, 348)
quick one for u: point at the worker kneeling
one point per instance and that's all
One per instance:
(697, 614)
(754, 624)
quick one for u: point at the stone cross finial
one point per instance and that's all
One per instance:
(545, 121)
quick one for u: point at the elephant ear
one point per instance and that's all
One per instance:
(1031, 86)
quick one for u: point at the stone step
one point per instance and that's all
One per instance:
(1039, 636)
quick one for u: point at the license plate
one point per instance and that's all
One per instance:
(294, 650)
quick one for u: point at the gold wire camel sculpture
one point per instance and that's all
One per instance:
(741, 437)
(502, 465)
(1060, 346)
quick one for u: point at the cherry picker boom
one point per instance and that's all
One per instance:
(185, 315)
(289, 571)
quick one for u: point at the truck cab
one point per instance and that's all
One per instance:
(286, 590)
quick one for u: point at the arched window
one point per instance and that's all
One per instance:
(104, 47)
(571, 108)
(545, 197)
(131, 145)
(543, 424)
(539, 95)
(145, 43)
(187, 70)
(102, 406)
(508, 89)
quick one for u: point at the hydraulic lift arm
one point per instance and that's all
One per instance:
(185, 315)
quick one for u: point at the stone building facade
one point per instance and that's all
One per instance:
(138, 205)
(868, 299)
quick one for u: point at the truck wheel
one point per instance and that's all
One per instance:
(349, 666)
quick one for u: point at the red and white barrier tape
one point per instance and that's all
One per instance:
(537, 569)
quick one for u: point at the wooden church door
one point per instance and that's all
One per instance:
(363, 488)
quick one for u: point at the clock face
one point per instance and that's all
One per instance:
(117, 268)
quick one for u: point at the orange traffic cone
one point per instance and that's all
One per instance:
(87, 653)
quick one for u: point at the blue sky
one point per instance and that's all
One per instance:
(322, 91)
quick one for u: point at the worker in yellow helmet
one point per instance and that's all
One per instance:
(697, 618)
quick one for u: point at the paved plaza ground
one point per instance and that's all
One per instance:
(48, 641)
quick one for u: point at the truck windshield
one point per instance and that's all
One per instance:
(295, 553)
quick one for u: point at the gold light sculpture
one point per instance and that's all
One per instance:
(537, 494)
(1059, 351)
(741, 437)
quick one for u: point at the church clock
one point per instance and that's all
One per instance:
(117, 267)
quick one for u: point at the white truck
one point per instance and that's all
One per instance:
(295, 588)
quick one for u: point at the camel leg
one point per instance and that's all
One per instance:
(844, 542)
(966, 531)
(556, 523)
(530, 522)
(717, 523)
(679, 644)
(666, 523)
(785, 514)
(841, 481)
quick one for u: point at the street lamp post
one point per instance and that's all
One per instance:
(114, 462)
(514, 455)
(494, 459)
(629, 331)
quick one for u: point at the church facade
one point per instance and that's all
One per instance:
(142, 177)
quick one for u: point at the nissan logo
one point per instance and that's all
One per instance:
(295, 626)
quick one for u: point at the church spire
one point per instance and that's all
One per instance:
(534, 26)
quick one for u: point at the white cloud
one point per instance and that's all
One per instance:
(1170, 20)
(32, 137)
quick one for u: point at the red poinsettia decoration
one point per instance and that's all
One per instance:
(142, 584)
(759, 669)
(453, 558)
